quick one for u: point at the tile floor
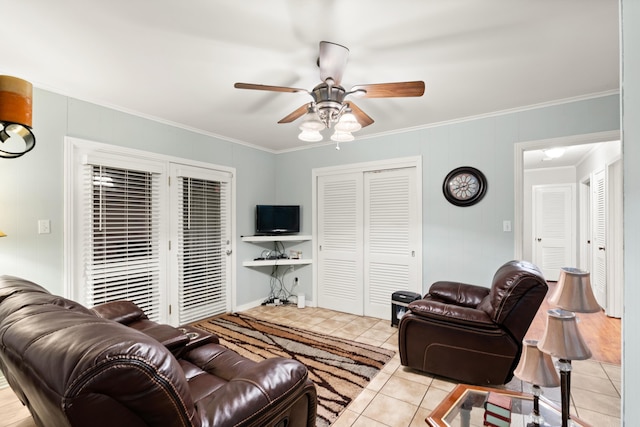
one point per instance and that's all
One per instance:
(398, 396)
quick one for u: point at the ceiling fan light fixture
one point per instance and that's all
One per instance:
(310, 136)
(342, 136)
(311, 123)
(348, 123)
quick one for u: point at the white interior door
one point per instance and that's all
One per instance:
(599, 237)
(615, 248)
(390, 237)
(340, 242)
(553, 228)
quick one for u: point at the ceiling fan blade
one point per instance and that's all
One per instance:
(332, 61)
(391, 90)
(362, 117)
(267, 87)
(299, 112)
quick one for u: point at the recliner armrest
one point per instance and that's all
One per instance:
(254, 391)
(457, 293)
(451, 313)
(120, 311)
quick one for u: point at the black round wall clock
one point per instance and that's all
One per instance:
(464, 186)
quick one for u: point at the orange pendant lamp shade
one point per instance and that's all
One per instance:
(16, 97)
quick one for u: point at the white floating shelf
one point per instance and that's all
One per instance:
(281, 261)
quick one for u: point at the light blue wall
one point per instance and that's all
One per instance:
(465, 244)
(631, 152)
(32, 185)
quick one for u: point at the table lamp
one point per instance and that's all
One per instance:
(536, 368)
(562, 338)
(2, 234)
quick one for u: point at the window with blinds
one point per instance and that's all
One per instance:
(202, 242)
(122, 244)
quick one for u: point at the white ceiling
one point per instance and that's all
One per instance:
(177, 61)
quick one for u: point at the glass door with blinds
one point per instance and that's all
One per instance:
(201, 242)
(142, 228)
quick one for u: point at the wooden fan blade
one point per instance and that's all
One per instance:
(267, 87)
(362, 117)
(299, 112)
(391, 90)
(332, 61)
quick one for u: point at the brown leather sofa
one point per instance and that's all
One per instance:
(471, 333)
(72, 366)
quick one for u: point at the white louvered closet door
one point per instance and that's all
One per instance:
(340, 242)
(599, 237)
(390, 237)
(201, 212)
(121, 217)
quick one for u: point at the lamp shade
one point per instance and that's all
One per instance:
(536, 367)
(15, 100)
(574, 293)
(562, 338)
(16, 137)
(348, 123)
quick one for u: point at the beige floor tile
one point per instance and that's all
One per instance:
(346, 419)
(361, 401)
(584, 399)
(587, 382)
(433, 397)
(392, 366)
(390, 411)
(419, 418)
(443, 384)
(363, 421)
(413, 375)
(597, 419)
(613, 371)
(405, 390)
(377, 334)
(378, 381)
(588, 367)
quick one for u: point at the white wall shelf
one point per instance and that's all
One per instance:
(281, 261)
(290, 238)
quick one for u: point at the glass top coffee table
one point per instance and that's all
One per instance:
(464, 407)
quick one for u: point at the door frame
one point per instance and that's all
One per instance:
(403, 162)
(518, 188)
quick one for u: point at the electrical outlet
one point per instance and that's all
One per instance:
(44, 226)
(506, 226)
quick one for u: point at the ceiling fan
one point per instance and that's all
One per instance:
(329, 107)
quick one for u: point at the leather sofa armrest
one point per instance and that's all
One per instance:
(452, 314)
(458, 293)
(253, 391)
(120, 311)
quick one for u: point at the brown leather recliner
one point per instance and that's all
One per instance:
(72, 366)
(471, 333)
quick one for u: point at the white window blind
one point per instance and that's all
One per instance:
(202, 243)
(122, 242)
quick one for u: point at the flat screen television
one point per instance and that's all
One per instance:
(277, 219)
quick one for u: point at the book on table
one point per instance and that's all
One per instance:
(498, 404)
(492, 420)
